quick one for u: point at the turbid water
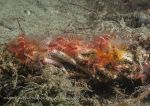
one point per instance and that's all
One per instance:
(87, 18)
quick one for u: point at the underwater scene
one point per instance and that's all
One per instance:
(74, 52)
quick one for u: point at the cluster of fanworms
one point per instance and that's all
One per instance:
(103, 54)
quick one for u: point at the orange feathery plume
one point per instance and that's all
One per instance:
(25, 49)
(68, 45)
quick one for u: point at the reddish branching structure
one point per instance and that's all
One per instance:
(26, 49)
(70, 46)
